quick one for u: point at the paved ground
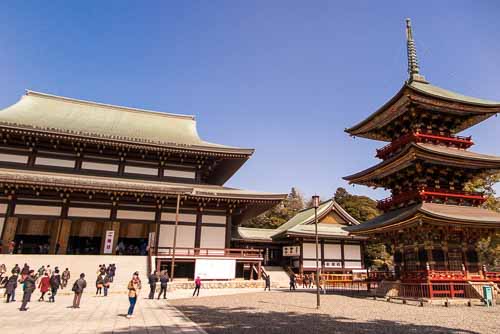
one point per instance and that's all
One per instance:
(243, 311)
(96, 315)
(284, 312)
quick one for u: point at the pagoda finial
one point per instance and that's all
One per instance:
(413, 69)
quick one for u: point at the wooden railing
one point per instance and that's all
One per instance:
(455, 141)
(210, 252)
(429, 194)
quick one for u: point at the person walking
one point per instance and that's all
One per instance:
(55, 284)
(10, 288)
(99, 282)
(44, 286)
(267, 279)
(111, 272)
(292, 282)
(197, 286)
(106, 284)
(164, 279)
(78, 287)
(152, 280)
(66, 275)
(29, 286)
(16, 270)
(134, 288)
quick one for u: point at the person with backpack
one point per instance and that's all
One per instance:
(10, 288)
(197, 286)
(29, 286)
(164, 279)
(55, 283)
(134, 287)
(99, 283)
(78, 287)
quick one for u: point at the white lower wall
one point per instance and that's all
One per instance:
(333, 251)
(352, 252)
(185, 236)
(213, 237)
(309, 251)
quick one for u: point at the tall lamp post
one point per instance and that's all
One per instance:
(315, 203)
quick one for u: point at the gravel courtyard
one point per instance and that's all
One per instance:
(284, 312)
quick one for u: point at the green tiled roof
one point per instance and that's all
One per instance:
(45, 112)
(429, 89)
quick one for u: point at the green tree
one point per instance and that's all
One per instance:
(488, 248)
(362, 208)
(279, 214)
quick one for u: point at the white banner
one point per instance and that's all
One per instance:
(108, 242)
(215, 269)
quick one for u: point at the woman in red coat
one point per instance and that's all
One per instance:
(44, 286)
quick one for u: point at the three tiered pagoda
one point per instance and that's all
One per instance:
(433, 223)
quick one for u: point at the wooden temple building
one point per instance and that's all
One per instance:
(292, 245)
(81, 177)
(431, 221)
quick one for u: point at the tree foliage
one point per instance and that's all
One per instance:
(362, 208)
(279, 214)
(488, 248)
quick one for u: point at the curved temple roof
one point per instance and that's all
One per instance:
(45, 112)
(450, 214)
(427, 152)
(397, 105)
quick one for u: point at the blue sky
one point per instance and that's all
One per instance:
(283, 77)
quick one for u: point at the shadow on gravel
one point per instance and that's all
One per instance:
(248, 320)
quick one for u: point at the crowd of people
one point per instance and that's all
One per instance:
(49, 280)
(46, 279)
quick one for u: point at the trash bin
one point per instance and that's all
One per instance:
(488, 295)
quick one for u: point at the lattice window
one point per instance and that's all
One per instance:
(455, 259)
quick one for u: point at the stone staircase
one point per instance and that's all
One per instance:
(88, 264)
(279, 276)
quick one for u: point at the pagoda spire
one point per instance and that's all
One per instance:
(413, 68)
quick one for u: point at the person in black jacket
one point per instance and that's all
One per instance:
(152, 280)
(29, 285)
(267, 279)
(55, 284)
(164, 279)
(10, 288)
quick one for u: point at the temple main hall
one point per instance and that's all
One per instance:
(80, 177)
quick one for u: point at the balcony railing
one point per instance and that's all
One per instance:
(209, 252)
(430, 194)
(455, 141)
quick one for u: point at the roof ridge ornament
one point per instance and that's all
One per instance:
(413, 68)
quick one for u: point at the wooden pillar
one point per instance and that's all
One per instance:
(54, 235)
(229, 228)
(342, 254)
(301, 258)
(9, 232)
(157, 230)
(197, 234)
(322, 259)
(64, 233)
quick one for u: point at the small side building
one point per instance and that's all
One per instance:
(292, 244)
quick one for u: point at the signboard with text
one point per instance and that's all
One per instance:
(291, 250)
(108, 242)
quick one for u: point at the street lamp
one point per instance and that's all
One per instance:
(315, 203)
